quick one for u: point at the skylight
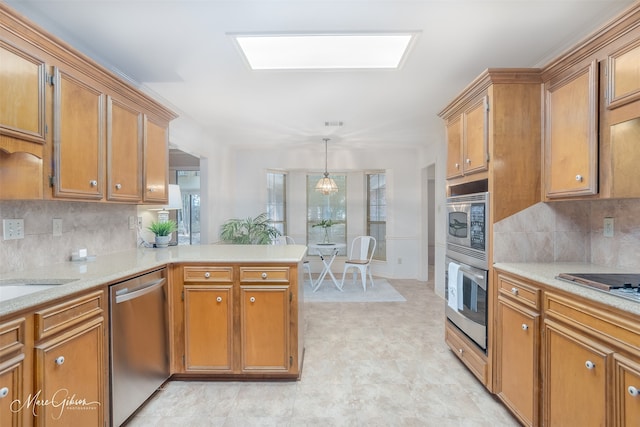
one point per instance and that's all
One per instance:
(325, 51)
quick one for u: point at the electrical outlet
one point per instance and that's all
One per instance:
(132, 222)
(608, 227)
(57, 227)
(12, 229)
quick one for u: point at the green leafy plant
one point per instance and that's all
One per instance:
(325, 223)
(163, 228)
(249, 231)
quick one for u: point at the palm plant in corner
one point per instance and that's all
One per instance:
(249, 231)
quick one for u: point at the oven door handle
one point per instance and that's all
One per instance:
(149, 287)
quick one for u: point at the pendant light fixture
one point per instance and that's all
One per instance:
(326, 185)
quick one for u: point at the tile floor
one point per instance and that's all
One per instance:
(366, 364)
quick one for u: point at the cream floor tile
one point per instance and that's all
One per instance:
(366, 364)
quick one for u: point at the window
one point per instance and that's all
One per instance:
(377, 213)
(277, 200)
(324, 207)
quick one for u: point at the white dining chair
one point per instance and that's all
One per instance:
(288, 240)
(362, 249)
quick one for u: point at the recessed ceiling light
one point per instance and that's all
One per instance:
(324, 51)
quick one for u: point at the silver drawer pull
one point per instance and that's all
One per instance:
(457, 165)
(525, 327)
(514, 291)
(264, 275)
(589, 364)
(59, 360)
(460, 350)
(207, 275)
(252, 299)
(4, 392)
(93, 183)
(632, 391)
(579, 178)
(219, 299)
(118, 186)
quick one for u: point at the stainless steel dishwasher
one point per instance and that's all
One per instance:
(139, 342)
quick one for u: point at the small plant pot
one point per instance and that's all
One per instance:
(162, 241)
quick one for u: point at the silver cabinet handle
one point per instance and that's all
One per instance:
(150, 190)
(632, 391)
(118, 186)
(457, 165)
(525, 326)
(207, 275)
(264, 275)
(461, 350)
(4, 391)
(514, 291)
(59, 360)
(219, 299)
(93, 183)
(579, 178)
(589, 364)
(252, 299)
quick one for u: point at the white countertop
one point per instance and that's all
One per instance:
(546, 272)
(116, 266)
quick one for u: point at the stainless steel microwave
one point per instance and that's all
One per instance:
(467, 228)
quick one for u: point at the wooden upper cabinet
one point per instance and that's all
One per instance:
(623, 75)
(475, 137)
(124, 152)
(78, 138)
(571, 134)
(454, 148)
(22, 94)
(156, 162)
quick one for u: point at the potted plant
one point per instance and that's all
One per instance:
(163, 231)
(326, 225)
(249, 231)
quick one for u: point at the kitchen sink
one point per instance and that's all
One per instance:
(14, 288)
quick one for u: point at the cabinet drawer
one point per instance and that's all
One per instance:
(476, 364)
(11, 337)
(208, 274)
(52, 320)
(264, 274)
(519, 291)
(609, 326)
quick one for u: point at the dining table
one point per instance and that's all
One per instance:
(327, 253)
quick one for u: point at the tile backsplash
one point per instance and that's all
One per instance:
(571, 231)
(101, 228)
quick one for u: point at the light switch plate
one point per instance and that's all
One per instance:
(132, 222)
(608, 227)
(12, 229)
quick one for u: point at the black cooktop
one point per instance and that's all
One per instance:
(604, 281)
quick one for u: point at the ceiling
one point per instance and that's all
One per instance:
(180, 52)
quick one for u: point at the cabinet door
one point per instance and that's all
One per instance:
(124, 152)
(624, 140)
(208, 312)
(70, 368)
(78, 138)
(156, 162)
(623, 75)
(626, 391)
(517, 338)
(264, 319)
(454, 148)
(475, 137)
(22, 84)
(571, 134)
(574, 378)
(13, 401)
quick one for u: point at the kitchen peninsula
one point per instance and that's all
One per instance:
(234, 312)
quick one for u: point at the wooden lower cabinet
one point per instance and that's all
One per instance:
(70, 373)
(517, 349)
(626, 390)
(11, 391)
(265, 323)
(208, 328)
(237, 321)
(574, 378)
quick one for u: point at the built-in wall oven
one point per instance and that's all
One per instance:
(466, 269)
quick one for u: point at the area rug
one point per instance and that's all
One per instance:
(382, 291)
